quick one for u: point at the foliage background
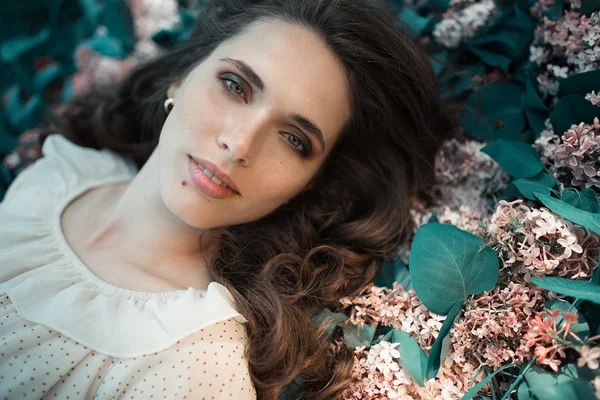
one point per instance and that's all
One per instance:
(511, 239)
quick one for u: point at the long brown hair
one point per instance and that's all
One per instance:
(326, 243)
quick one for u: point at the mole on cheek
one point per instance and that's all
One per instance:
(183, 183)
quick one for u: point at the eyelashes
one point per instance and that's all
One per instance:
(303, 150)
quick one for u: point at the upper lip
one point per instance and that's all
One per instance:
(217, 172)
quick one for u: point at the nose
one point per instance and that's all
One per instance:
(241, 141)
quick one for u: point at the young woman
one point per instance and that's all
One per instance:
(183, 226)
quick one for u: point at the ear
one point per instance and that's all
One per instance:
(172, 91)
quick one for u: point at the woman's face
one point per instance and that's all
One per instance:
(224, 115)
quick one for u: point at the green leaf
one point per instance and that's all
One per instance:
(443, 340)
(473, 391)
(495, 112)
(541, 183)
(416, 22)
(393, 271)
(358, 335)
(580, 84)
(516, 158)
(567, 211)
(574, 390)
(539, 379)
(412, 356)
(334, 319)
(585, 200)
(582, 289)
(572, 109)
(447, 264)
(587, 6)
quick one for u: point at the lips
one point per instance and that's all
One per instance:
(216, 172)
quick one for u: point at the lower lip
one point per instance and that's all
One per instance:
(205, 184)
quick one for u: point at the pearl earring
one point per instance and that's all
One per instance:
(169, 103)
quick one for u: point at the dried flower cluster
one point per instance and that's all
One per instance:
(550, 338)
(568, 46)
(461, 20)
(398, 308)
(490, 331)
(537, 242)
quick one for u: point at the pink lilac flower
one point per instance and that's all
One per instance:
(491, 329)
(593, 97)
(589, 356)
(537, 242)
(550, 340)
(461, 20)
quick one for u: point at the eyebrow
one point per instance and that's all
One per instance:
(256, 81)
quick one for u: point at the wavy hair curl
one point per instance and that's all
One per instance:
(326, 243)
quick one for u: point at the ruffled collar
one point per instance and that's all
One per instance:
(63, 294)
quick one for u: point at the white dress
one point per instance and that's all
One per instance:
(66, 334)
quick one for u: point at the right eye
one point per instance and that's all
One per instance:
(234, 87)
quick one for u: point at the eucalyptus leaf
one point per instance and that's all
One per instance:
(412, 356)
(473, 391)
(334, 319)
(358, 335)
(448, 264)
(496, 111)
(585, 200)
(541, 183)
(572, 109)
(436, 357)
(393, 271)
(574, 390)
(567, 211)
(580, 84)
(582, 289)
(516, 158)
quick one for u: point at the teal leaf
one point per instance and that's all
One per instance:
(117, 18)
(572, 109)
(393, 271)
(448, 264)
(412, 356)
(518, 159)
(495, 111)
(541, 183)
(580, 84)
(585, 200)
(535, 108)
(587, 6)
(574, 390)
(475, 389)
(12, 49)
(106, 45)
(415, 22)
(541, 382)
(436, 356)
(358, 335)
(580, 289)
(333, 319)
(555, 11)
(567, 211)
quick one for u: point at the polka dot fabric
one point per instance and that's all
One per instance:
(39, 363)
(66, 334)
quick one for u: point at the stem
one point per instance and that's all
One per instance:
(519, 378)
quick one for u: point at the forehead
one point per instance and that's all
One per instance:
(301, 74)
